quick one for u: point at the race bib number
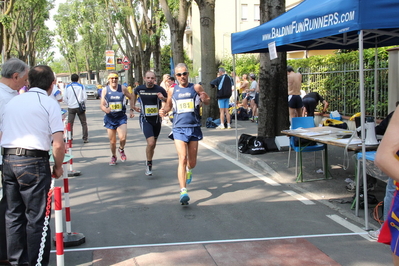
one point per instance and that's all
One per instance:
(115, 106)
(151, 110)
(185, 106)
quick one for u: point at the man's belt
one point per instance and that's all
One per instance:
(25, 152)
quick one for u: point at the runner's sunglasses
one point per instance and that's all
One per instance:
(180, 74)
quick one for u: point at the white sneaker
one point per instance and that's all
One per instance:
(148, 169)
(228, 126)
(221, 127)
(374, 234)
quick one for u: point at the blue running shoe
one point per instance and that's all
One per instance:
(189, 176)
(184, 198)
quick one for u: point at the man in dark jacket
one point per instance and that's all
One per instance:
(224, 85)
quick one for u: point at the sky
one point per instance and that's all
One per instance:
(51, 25)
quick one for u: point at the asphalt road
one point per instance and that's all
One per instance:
(119, 206)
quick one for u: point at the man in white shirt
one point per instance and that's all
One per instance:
(74, 94)
(27, 137)
(14, 76)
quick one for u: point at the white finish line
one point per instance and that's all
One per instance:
(243, 166)
(213, 242)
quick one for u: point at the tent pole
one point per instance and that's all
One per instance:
(235, 105)
(375, 81)
(363, 130)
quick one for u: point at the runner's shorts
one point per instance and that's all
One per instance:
(295, 101)
(114, 122)
(187, 134)
(390, 230)
(224, 103)
(150, 129)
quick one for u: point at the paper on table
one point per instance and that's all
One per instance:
(345, 141)
(319, 133)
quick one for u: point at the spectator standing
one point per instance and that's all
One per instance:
(14, 76)
(310, 102)
(172, 82)
(185, 99)
(223, 83)
(56, 94)
(294, 93)
(151, 96)
(165, 84)
(244, 87)
(250, 95)
(27, 138)
(74, 94)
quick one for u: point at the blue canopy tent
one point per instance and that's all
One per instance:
(328, 24)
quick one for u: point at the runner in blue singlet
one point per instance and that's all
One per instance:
(185, 99)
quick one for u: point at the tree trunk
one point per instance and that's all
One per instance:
(157, 59)
(177, 27)
(273, 103)
(177, 37)
(208, 64)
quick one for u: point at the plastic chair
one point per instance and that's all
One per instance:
(303, 122)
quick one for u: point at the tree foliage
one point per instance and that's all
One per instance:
(22, 23)
(176, 12)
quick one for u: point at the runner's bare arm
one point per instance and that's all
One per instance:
(168, 104)
(103, 103)
(203, 95)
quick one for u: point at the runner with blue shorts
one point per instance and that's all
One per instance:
(185, 99)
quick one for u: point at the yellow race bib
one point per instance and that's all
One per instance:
(185, 106)
(151, 110)
(116, 106)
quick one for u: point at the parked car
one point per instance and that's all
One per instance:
(91, 91)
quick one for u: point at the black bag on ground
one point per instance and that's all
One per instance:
(371, 200)
(251, 144)
(256, 146)
(243, 143)
(210, 123)
(242, 114)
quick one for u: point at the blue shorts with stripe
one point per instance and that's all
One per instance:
(150, 129)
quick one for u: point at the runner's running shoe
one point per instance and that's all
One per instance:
(148, 169)
(113, 161)
(189, 175)
(184, 198)
(122, 153)
(374, 234)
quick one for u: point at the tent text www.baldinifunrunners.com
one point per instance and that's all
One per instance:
(310, 24)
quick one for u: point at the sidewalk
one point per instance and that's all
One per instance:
(331, 192)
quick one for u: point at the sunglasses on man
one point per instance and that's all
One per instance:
(181, 74)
